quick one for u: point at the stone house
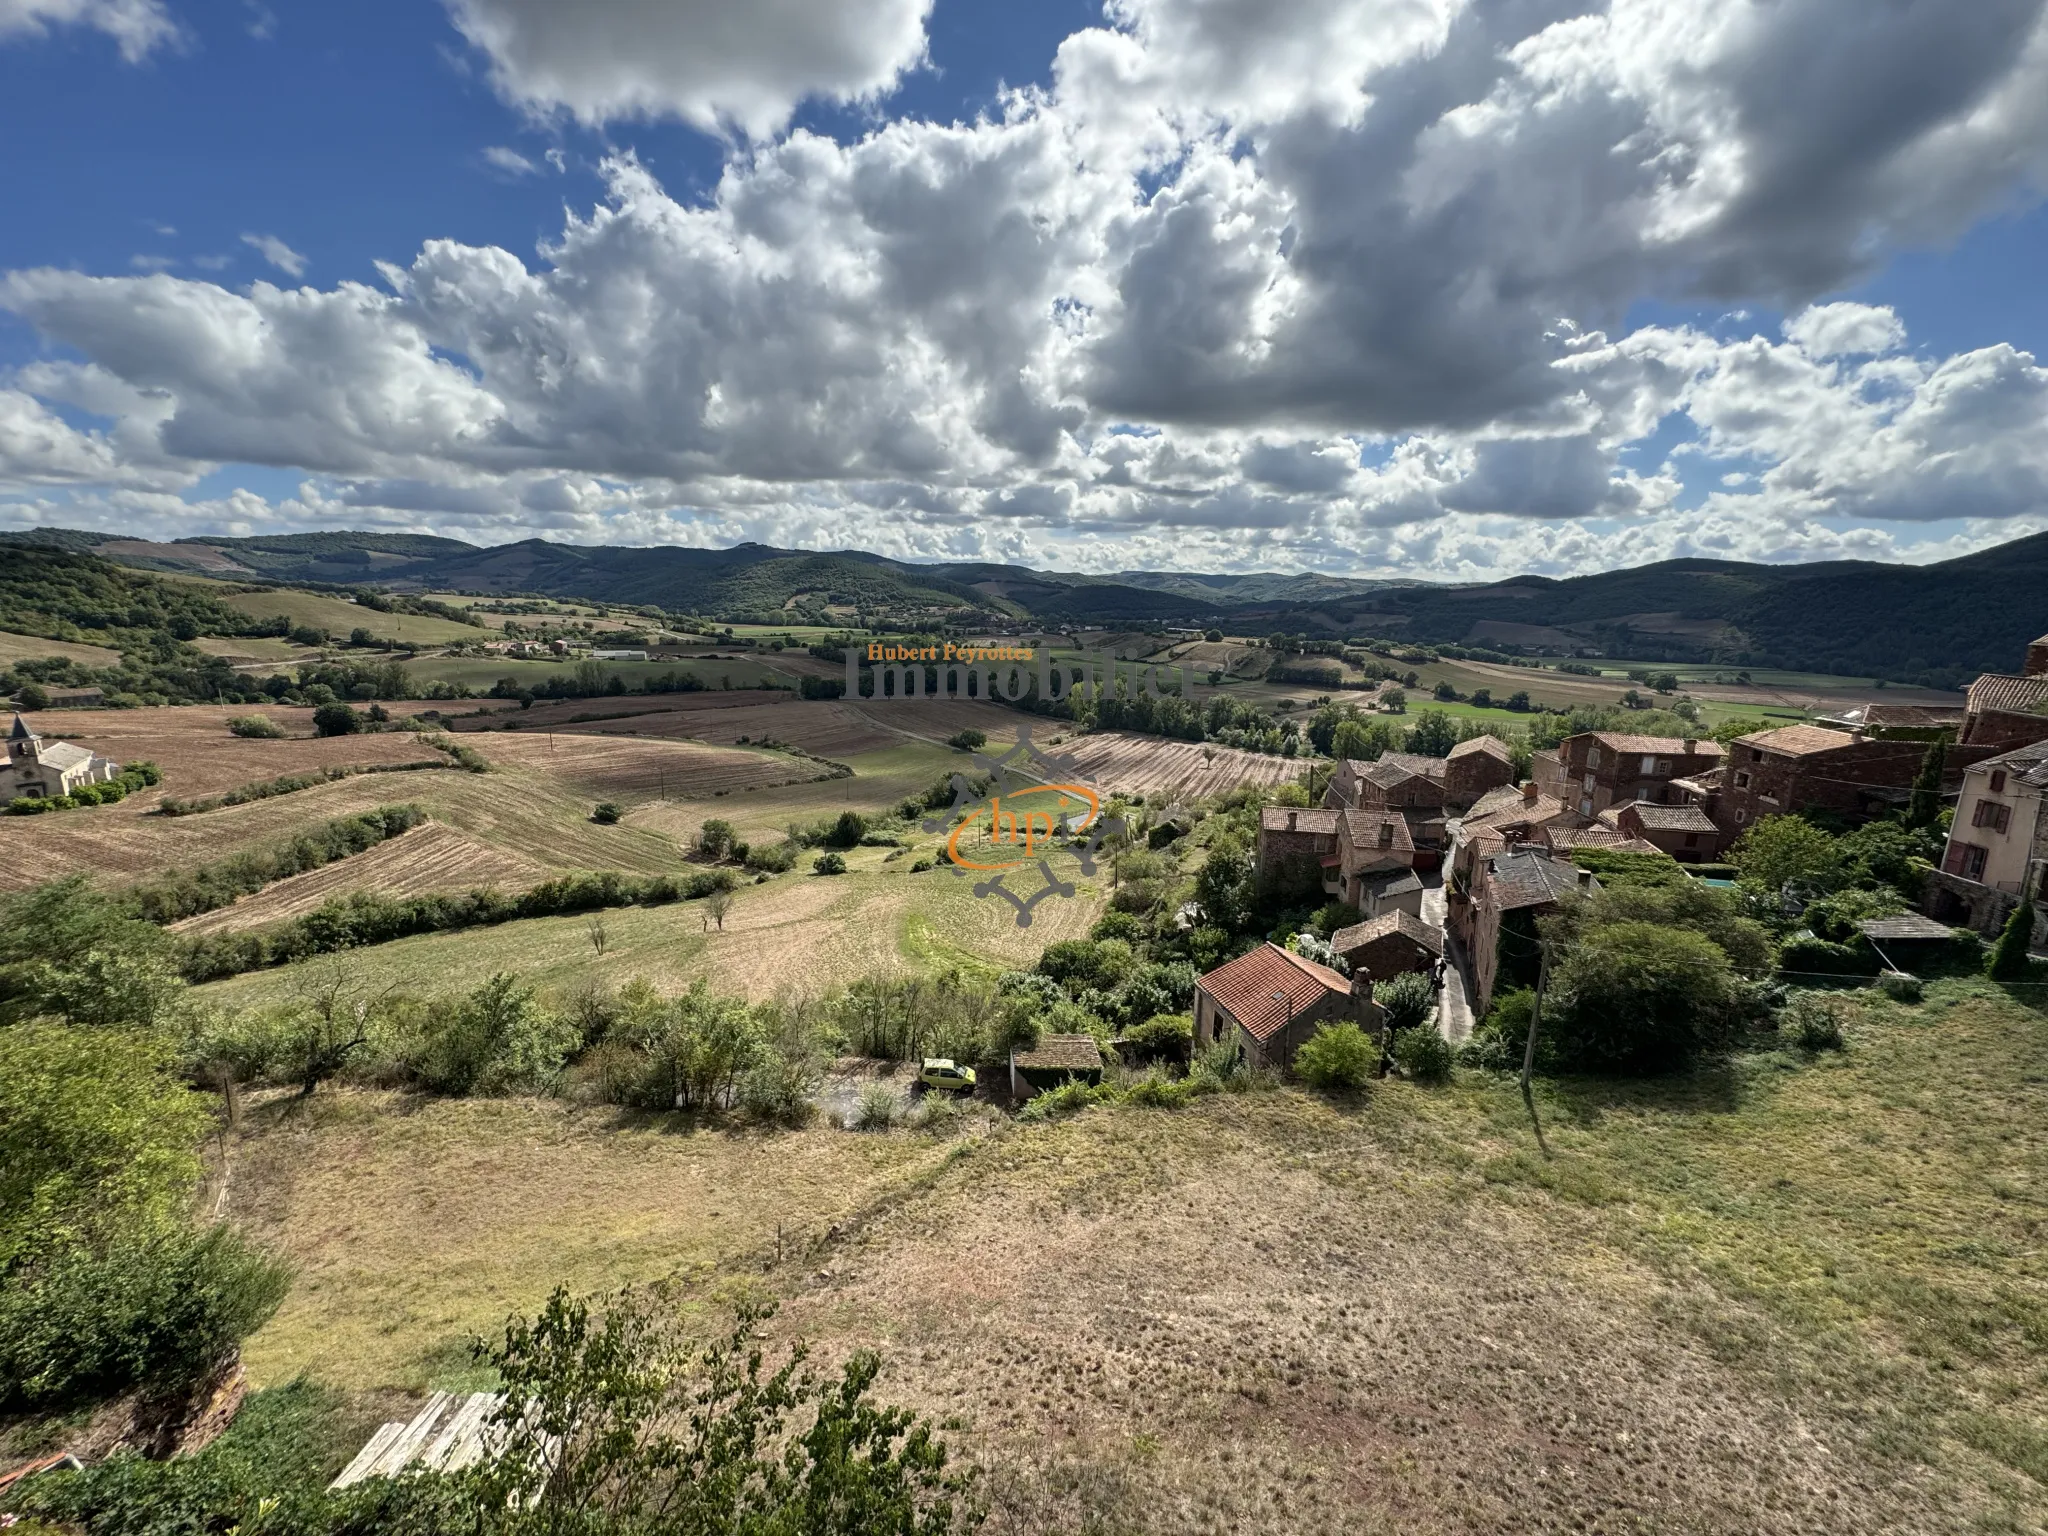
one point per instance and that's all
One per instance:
(1686, 832)
(1371, 844)
(1396, 781)
(1998, 844)
(1596, 769)
(1272, 1000)
(1811, 768)
(1056, 1059)
(1514, 888)
(2007, 710)
(1388, 945)
(1475, 767)
(1501, 817)
(38, 769)
(1296, 846)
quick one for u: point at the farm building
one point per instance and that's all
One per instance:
(1056, 1059)
(1388, 945)
(1685, 832)
(1272, 1000)
(1474, 767)
(38, 769)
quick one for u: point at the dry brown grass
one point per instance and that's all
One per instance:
(630, 767)
(15, 648)
(429, 860)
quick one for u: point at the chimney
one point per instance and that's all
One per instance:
(1690, 743)
(1292, 817)
(1529, 793)
(1386, 834)
(1585, 879)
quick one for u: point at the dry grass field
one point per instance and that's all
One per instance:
(431, 859)
(1785, 1296)
(1151, 765)
(797, 934)
(15, 648)
(633, 767)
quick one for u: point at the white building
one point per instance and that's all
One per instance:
(1998, 844)
(38, 769)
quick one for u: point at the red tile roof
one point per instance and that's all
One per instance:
(1245, 987)
(1321, 823)
(2006, 694)
(1798, 740)
(1362, 830)
(1492, 746)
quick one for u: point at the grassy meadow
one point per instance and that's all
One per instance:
(1781, 1294)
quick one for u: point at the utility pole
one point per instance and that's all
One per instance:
(1529, 1047)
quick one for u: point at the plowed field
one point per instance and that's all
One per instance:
(636, 767)
(429, 860)
(1148, 765)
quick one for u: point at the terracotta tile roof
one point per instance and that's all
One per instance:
(1529, 878)
(1492, 746)
(1245, 987)
(1347, 941)
(1584, 837)
(1672, 818)
(1061, 1053)
(1908, 716)
(2005, 694)
(1798, 740)
(1656, 746)
(1503, 797)
(1274, 819)
(1416, 763)
(1516, 812)
(1907, 925)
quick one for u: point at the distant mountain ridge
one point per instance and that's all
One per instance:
(1936, 624)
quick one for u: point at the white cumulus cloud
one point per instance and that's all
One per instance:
(708, 62)
(138, 27)
(277, 253)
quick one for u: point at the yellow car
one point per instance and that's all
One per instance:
(943, 1072)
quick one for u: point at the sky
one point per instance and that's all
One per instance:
(1432, 288)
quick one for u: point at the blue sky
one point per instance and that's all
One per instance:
(243, 150)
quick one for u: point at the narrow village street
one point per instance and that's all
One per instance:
(1454, 998)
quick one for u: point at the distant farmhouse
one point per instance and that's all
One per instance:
(38, 769)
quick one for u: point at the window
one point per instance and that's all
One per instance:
(1592, 757)
(1664, 766)
(1649, 765)
(1998, 782)
(1994, 814)
(1742, 781)
(1756, 755)
(1971, 865)
(1741, 817)
(1692, 839)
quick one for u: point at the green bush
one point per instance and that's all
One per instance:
(336, 719)
(969, 740)
(829, 864)
(1168, 1035)
(607, 813)
(1811, 1023)
(158, 1308)
(1069, 1098)
(878, 1107)
(1338, 1056)
(773, 858)
(1808, 954)
(1407, 1000)
(1635, 997)
(2008, 958)
(257, 727)
(1423, 1055)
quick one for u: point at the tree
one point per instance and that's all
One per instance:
(715, 839)
(32, 696)
(607, 813)
(1223, 888)
(718, 903)
(1446, 691)
(1433, 734)
(1213, 636)
(336, 719)
(1925, 805)
(829, 864)
(2008, 961)
(1637, 998)
(1394, 702)
(1780, 850)
(1665, 682)
(848, 830)
(1407, 999)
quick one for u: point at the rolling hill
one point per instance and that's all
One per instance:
(1934, 624)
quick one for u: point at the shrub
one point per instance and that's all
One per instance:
(848, 830)
(878, 1108)
(773, 859)
(829, 864)
(1636, 997)
(1900, 986)
(919, 866)
(969, 740)
(259, 727)
(607, 813)
(1070, 1098)
(1155, 1091)
(1118, 925)
(716, 839)
(1338, 1056)
(1807, 954)
(1407, 1000)
(1423, 1054)
(2008, 958)
(336, 720)
(158, 1307)
(1811, 1023)
(1168, 1035)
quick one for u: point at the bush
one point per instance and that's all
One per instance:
(1338, 1056)
(1900, 987)
(829, 864)
(1423, 1054)
(607, 813)
(158, 1308)
(336, 720)
(1407, 1000)
(716, 839)
(1635, 997)
(259, 727)
(1811, 1023)
(1809, 955)
(1169, 1035)
(878, 1108)
(847, 831)
(1070, 1098)
(969, 740)
(773, 859)
(2008, 958)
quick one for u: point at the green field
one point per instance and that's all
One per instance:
(338, 617)
(15, 648)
